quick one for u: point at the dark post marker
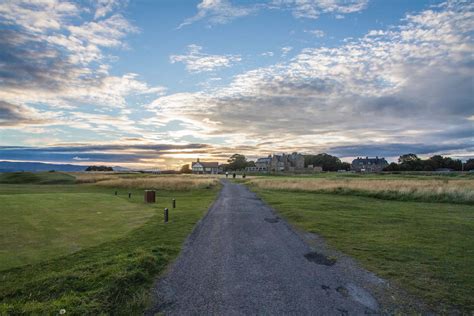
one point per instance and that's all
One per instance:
(174, 203)
(115, 192)
(129, 194)
(166, 215)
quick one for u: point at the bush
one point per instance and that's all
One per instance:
(99, 168)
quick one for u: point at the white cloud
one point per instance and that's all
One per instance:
(196, 61)
(268, 54)
(218, 12)
(285, 50)
(55, 55)
(80, 159)
(414, 77)
(106, 33)
(222, 11)
(103, 7)
(38, 16)
(317, 33)
(312, 9)
(19, 115)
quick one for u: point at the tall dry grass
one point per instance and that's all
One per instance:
(456, 191)
(93, 177)
(161, 183)
(147, 181)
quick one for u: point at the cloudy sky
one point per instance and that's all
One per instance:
(158, 83)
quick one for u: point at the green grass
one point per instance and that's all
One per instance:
(426, 248)
(117, 253)
(36, 178)
(36, 227)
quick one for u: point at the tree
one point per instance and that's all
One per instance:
(224, 166)
(454, 164)
(185, 169)
(326, 161)
(237, 162)
(435, 162)
(392, 167)
(439, 161)
(407, 158)
(99, 168)
(410, 162)
(469, 165)
(345, 166)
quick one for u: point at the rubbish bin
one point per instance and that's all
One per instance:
(149, 196)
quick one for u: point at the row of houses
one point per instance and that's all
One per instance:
(293, 162)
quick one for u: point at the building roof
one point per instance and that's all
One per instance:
(366, 160)
(211, 164)
(264, 160)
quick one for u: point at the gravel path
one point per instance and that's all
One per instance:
(242, 259)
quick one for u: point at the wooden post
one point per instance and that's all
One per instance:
(115, 192)
(166, 215)
(129, 194)
(174, 203)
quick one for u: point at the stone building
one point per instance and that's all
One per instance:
(368, 164)
(262, 164)
(281, 163)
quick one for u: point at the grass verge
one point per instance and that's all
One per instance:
(425, 248)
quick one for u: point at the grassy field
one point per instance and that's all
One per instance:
(425, 248)
(447, 188)
(80, 248)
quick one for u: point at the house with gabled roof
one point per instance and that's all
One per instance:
(201, 167)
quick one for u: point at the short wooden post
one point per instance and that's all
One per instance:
(115, 192)
(174, 203)
(129, 194)
(166, 215)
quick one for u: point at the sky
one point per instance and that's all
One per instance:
(159, 83)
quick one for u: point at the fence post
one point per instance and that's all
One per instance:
(166, 215)
(174, 203)
(129, 194)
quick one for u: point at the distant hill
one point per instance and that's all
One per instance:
(15, 166)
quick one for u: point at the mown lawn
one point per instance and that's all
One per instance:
(86, 250)
(36, 227)
(426, 248)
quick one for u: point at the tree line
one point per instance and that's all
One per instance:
(411, 162)
(99, 168)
